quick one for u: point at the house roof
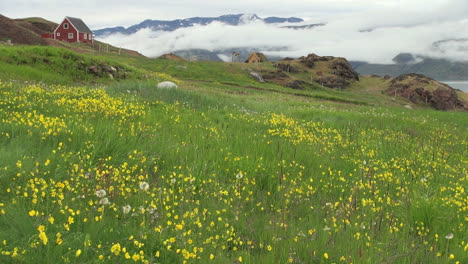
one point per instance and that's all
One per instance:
(79, 24)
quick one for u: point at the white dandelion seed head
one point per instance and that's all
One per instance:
(449, 236)
(144, 186)
(126, 209)
(104, 201)
(101, 193)
(239, 176)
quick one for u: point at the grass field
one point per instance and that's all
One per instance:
(225, 170)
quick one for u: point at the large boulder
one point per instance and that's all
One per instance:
(167, 85)
(257, 76)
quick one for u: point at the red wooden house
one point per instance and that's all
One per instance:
(71, 30)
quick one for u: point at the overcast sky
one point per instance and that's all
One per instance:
(106, 13)
(399, 25)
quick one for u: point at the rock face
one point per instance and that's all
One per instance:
(167, 85)
(423, 90)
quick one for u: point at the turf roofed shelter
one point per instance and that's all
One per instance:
(73, 30)
(256, 57)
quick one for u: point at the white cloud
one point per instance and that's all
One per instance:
(342, 37)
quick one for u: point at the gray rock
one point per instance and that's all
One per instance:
(167, 85)
(257, 76)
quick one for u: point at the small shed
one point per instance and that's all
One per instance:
(256, 57)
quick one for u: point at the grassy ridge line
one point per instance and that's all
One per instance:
(57, 65)
(236, 74)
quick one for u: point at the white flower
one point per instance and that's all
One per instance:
(101, 193)
(449, 236)
(329, 205)
(126, 209)
(327, 229)
(104, 201)
(173, 180)
(144, 186)
(364, 162)
(239, 176)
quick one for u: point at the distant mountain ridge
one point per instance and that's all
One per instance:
(166, 25)
(439, 69)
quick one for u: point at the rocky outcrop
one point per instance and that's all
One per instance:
(423, 90)
(103, 70)
(343, 69)
(340, 72)
(332, 82)
(310, 59)
(298, 85)
(287, 67)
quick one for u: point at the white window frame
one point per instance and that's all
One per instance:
(90, 37)
(66, 26)
(71, 36)
(58, 34)
(85, 36)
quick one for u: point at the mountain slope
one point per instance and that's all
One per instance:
(172, 25)
(19, 32)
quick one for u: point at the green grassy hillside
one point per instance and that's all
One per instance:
(223, 169)
(59, 65)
